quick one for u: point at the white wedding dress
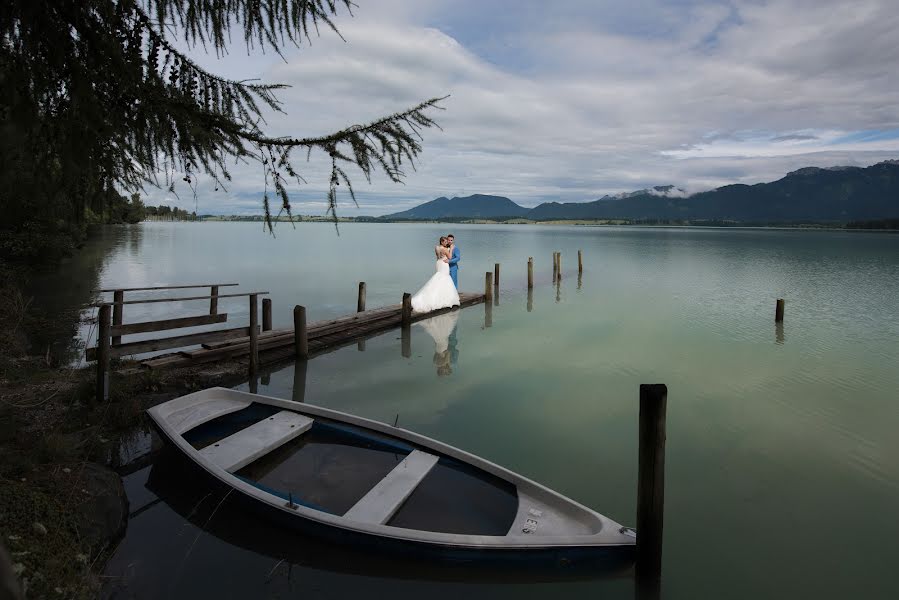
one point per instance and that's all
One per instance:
(439, 292)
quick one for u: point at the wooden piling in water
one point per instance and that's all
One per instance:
(214, 299)
(558, 266)
(651, 481)
(360, 301)
(530, 272)
(555, 266)
(266, 314)
(300, 336)
(117, 297)
(496, 275)
(580, 262)
(779, 311)
(407, 310)
(254, 334)
(488, 286)
(103, 354)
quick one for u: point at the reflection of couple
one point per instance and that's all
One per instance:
(442, 329)
(441, 290)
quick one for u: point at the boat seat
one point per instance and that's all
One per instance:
(385, 498)
(240, 449)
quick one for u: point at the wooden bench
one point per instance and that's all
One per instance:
(383, 500)
(240, 449)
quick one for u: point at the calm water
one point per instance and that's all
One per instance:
(782, 460)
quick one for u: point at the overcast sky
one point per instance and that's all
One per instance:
(569, 101)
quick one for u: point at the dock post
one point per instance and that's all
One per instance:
(530, 272)
(496, 275)
(558, 266)
(779, 311)
(488, 287)
(266, 314)
(103, 354)
(555, 266)
(254, 334)
(360, 301)
(651, 482)
(488, 315)
(214, 300)
(580, 262)
(407, 309)
(299, 381)
(530, 299)
(300, 336)
(406, 328)
(118, 297)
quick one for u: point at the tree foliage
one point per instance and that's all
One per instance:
(96, 97)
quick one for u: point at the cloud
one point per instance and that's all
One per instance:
(575, 100)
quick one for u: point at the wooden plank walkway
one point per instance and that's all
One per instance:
(324, 336)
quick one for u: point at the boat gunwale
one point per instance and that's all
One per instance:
(599, 539)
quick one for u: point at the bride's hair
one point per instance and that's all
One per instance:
(442, 239)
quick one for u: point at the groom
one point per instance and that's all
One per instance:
(454, 260)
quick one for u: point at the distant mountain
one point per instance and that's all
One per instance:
(476, 206)
(808, 194)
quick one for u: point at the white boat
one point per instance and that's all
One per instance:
(367, 483)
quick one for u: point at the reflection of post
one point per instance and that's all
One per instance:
(580, 277)
(360, 345)
(254, 383)
(488, 314)
(406, 341)
(266, 378)
(558, 290)
(530, 300)
(779, 333)
(299, 381)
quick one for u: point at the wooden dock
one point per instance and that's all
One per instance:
(323, 336)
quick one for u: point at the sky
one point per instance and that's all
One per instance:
(569, 101)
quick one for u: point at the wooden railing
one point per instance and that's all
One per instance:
(111, 327)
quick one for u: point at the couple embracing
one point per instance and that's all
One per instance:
(441, 290)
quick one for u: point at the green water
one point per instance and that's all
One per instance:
(782, 476)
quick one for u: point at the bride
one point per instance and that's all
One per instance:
(439, 291)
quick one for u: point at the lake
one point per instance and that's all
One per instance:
(782, 466)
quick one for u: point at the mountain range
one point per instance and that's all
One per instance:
(835, 194)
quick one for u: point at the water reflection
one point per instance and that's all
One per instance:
(299, 381)
(580, 279)
(530, 299)
(442, 330)
(779, 333)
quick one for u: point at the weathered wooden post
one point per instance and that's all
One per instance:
(488, 314)
(266, 314)
(407, 309)
(214, 300)
(254, 334)
(496, 275)
(559, 266)
(555, 266)
(651, 481)
(118, 297)
(580, 262)
(103, 353)
(360, 301)
(488, 286)
(406, 329)
(779, 311)
(530, 272)
(300, 336)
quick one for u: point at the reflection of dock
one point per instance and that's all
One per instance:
(323, 336)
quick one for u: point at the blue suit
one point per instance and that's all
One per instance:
(454, 265)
